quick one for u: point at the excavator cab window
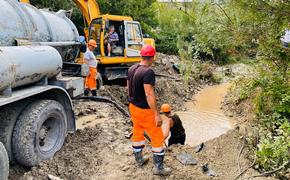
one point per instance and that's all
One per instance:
(134, 38)
(95, 33)
(118, 48)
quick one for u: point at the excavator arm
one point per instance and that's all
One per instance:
(24, 1)
(90, 9)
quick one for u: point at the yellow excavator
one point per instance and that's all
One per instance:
(127, 49)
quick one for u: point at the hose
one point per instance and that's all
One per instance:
(107, 100)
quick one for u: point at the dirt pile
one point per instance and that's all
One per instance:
(169, 85)
(164, 65)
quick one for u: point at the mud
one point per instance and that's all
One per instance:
(89, 115)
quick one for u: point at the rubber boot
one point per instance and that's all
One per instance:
(140, 159)
(86, 92)
(94, 92)
(159, 168)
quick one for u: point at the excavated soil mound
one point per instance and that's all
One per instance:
(169, 85)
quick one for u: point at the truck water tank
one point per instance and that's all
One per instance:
(23, 65)
(25, 22)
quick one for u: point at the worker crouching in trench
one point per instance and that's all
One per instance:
(172, 124)
(90, 59)
(144, 113)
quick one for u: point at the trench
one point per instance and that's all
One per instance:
(204, 119)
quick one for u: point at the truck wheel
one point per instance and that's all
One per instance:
(4, 163)
(99, 80)
(8, 117)
(39, 132)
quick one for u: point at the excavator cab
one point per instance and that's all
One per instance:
(124, 53)
(127, 48)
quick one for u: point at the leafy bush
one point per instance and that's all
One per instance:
(273, 149)
(271, 94)
(169, 27)
(273, 110)
(166, 42)
(217, 30)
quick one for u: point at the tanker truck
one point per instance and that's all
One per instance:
(36, 110)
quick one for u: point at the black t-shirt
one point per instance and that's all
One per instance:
(177, 129)
(138, 75)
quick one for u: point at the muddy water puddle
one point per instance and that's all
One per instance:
(89, 121)
(204, 119)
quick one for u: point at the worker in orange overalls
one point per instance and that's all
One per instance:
(90, 59)
(144, 112)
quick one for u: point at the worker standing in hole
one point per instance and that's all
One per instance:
(144, 112)
(111, 38)
(173, 125)
(90, 59)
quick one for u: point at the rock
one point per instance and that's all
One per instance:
(125, 168)
(51, 177)
(102, 88)
(206, 170)
(186, 158)
(163, 61)
(199, 148)
(26, 177)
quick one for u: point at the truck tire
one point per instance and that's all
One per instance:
(8, 117)
(99, 80)
(4, 163)
(39, 132)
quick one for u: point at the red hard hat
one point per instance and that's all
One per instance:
(148, 51)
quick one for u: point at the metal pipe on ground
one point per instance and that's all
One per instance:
(107, 100)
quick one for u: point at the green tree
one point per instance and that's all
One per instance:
(140, 10)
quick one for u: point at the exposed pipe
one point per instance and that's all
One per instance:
(107, 100)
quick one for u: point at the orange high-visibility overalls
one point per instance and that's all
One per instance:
(91, 82)
(144, 120)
